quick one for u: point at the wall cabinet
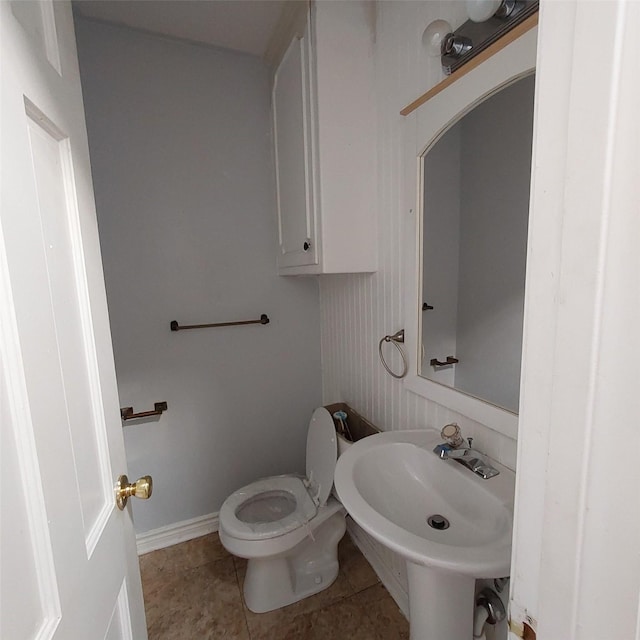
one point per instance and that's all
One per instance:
(325, 143)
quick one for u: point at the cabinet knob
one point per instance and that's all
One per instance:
(307, 244)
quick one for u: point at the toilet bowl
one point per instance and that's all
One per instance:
(288, 527)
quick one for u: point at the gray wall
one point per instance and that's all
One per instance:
(474, 246)
(493, 243)
(181, 156)
(441, 253)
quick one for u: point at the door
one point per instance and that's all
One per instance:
(293, 142)
(576, 552)
(69, 564)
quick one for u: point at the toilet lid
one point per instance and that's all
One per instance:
(322, 451)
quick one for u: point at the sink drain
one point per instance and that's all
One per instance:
(436, 521)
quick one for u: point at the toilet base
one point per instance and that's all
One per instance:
(309, 567)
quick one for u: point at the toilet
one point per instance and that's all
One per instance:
(288, 527)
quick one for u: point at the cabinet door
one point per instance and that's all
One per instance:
(293, 130)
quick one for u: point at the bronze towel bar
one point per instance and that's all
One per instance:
(450, 360)
(264, 319)
(126, 413)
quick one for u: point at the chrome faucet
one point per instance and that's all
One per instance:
(457, 448)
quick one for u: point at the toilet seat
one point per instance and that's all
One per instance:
(275, 506)
(269, 496)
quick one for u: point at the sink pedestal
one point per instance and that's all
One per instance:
(440, 604)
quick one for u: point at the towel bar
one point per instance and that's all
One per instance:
(126, 413)
(434, 362)
(264, 319)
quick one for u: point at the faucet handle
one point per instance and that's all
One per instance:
(451, 434)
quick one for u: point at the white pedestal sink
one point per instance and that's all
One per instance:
(391, 483)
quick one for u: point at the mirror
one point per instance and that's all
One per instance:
(475, 188)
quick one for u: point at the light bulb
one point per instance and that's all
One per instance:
(433, 36)
(481, 10)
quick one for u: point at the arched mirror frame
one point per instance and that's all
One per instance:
(424, 128)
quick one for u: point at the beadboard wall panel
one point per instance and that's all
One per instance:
(358, 310)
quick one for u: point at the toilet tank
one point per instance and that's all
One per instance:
(359, 427)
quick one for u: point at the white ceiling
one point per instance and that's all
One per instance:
(241, 25)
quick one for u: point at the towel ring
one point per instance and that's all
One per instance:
(395, 339)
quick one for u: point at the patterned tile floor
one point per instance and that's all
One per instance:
(194, 590)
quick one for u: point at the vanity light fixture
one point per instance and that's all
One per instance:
(482, 10)
(488, 21)
(433, 36)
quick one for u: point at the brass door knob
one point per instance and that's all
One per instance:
(141, 488)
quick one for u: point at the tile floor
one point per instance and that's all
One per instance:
(194, 590)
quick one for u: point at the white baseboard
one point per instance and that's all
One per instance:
(368, 548)
(175, 533)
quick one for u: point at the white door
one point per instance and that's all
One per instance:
(69, 565)
(293, 142)
(576, 550)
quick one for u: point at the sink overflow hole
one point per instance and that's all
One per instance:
(436, 521)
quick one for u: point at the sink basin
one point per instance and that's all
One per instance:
(392, 482)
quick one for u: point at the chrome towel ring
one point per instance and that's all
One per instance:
(395, 339)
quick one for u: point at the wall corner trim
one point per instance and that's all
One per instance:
(175, 533)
